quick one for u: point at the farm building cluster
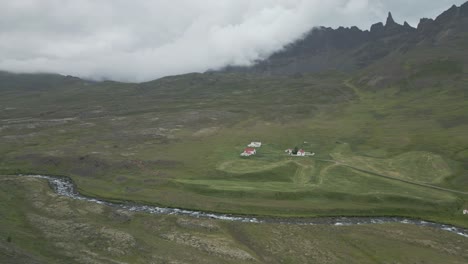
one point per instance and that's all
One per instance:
(251, 149)
(298, 152)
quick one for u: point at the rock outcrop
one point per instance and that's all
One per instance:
(350, 49)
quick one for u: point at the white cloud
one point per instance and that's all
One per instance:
(143, 40)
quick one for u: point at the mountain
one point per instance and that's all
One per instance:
(384, 111)
(352, 49)
(35, 81)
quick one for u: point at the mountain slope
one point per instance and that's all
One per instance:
(385, 111)
(352, 49)
(167, 141)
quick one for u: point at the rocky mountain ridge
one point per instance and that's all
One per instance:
(351, 49)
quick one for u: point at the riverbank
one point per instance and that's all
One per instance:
(66, 187)
(37, 225)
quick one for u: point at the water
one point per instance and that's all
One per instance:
(66, 187)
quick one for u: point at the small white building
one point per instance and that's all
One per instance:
(301, 153)
(288, 151)
(465, 212)
(254, 144)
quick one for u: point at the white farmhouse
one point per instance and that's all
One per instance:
(255, 144)
(301, 153)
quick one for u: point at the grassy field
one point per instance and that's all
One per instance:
(176, 142)
(37, 226)
(390, 140)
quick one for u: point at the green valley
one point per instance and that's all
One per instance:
(160, 149)
(361, 124)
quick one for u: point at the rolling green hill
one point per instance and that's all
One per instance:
(389, 134)
(45, 228)
(176, 142)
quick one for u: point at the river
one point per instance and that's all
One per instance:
(66, 187)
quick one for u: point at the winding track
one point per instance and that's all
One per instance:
(393, 178)
(66, 187)
(359, 94)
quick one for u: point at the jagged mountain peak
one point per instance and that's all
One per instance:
(350, 49)
(390, 20)
(408, 26)
(464, 9)
(424, 23)
(448, 14)
(377, 27)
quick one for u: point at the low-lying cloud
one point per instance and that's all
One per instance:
(142, 40)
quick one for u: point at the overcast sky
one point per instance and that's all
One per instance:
(141, 40)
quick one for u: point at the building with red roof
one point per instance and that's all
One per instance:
(249, 152)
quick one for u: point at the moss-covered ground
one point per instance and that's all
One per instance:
(176, 142)
(37, 226)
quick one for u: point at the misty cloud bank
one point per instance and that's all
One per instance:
(143, 40)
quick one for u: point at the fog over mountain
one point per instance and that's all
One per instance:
(143, 40)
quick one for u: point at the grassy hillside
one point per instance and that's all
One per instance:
(176, 142)
(389, 137)
(38, 226)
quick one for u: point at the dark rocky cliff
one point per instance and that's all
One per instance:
(351, 49)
